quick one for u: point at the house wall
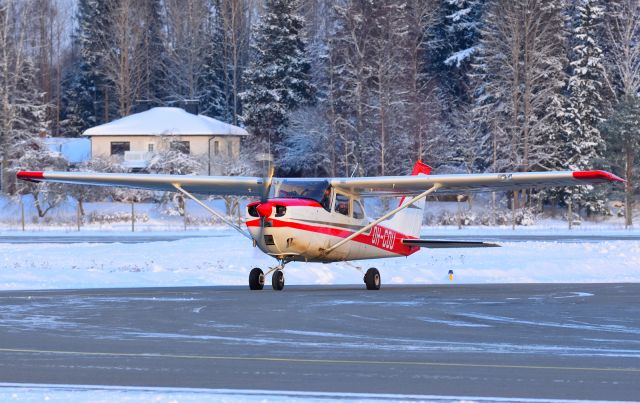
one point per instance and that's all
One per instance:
(199, 145)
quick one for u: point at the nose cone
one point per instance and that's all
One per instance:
(265, 209)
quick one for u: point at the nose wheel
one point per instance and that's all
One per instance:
(372, 279)
(277, 280)
(256, 277)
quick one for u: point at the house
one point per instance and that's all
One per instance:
(135, 138)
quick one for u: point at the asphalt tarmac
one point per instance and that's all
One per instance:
(546, 341)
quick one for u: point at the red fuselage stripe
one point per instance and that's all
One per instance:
(379, 237)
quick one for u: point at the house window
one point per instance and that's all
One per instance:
(181, 146)
(150, 147)
(120, 147)
(229, 149)
(216, 147)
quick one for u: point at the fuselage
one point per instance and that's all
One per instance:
(298, 229)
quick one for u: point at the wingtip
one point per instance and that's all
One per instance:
(31, 176)
(601, 176)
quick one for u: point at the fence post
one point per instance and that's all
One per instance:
(185, 213)
(570, 213)
(22, 211)
(513, 211)
(458, 198)
(78, 216)
(133, 217)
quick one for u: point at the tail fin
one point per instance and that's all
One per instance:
(409, 220)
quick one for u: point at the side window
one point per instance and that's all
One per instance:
(358, 212)
(342, 204)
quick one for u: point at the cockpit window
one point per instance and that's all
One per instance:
(342, 204)
(299, 189)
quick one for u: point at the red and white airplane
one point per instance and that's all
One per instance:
(323, 219)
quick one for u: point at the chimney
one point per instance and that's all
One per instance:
(192, 106)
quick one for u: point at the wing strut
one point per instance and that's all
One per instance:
(212, 211)
(366, 228)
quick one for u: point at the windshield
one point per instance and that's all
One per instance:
(303, 189)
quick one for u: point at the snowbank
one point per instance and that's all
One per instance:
(225, 258)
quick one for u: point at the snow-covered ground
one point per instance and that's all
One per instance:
(226, 258)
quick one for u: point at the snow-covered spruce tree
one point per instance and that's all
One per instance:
(154, 64)
(85, 92)
(77, 108)
(451, 44)
(584, 145)
(622, 131)
(452, 41)
(277, 78)
(212, 79)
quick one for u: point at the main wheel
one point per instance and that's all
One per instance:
(277, 280)
(372, 279)
(256, 279)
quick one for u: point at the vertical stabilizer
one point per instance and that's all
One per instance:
(409, 220)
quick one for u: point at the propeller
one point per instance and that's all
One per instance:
(265, 208)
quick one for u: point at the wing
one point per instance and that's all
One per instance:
(441, 244)
(367, 186)
(210, 185)
(469, 183)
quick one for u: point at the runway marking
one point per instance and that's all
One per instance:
(316, 361)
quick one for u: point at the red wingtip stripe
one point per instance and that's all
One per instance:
(603, 176)
(30, 176)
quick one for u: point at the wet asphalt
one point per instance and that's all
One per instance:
(546, 341)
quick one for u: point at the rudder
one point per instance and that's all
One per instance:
(409, 220)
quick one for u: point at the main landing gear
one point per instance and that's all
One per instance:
(372, 279)
(256, 277)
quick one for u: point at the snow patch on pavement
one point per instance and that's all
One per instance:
(107, 394)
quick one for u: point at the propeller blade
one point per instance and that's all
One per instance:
(264, 197)
(266, 184)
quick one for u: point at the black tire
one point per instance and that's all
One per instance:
(372, 279)
(277, 280)
(256, 279)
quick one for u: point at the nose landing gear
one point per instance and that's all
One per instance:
(256, 277)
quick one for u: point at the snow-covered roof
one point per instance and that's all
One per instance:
(166, 121)
(74, 150)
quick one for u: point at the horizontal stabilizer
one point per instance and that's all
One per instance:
(441, 244)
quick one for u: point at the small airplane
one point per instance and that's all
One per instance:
(323, 219)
